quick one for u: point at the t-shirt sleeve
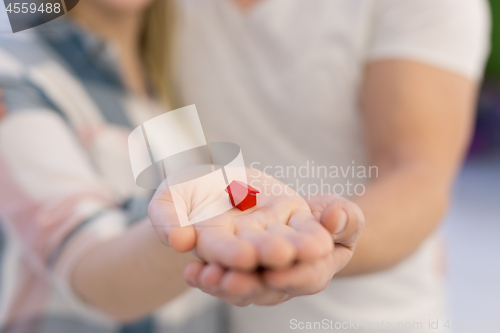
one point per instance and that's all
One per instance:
(449, 34)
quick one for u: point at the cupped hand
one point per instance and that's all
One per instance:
(274, 234)
(342, 218)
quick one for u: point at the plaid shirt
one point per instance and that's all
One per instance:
(66, 182)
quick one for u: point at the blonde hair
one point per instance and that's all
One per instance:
(157, 42)
(156, 49)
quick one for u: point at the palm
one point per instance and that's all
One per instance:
(268, 287)
(279, 230)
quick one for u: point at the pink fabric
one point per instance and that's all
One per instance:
(40, 228)
(19, 212)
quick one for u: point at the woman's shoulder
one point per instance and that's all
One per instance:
(19, 52)
(37, 69)
(39, 46)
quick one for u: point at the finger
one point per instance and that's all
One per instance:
(273, 250)
(345, 221)
(192, 273)
(315, 241)
(236, 288)
(164, 219)
(270, 297)
(211, 276)
(318, 203)
(247, 288)
(304, 278)
(220, 245)
(240, 284)
(283, 211)
(300, 242)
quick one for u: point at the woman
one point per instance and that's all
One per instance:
(78, 253)
(67, 180)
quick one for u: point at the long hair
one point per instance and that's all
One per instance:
(157, 43)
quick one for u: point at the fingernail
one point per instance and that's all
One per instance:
(191, 283)
(167, 241)
(341, 223)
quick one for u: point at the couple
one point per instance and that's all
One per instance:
(383, 83)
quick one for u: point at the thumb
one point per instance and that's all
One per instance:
(344, 220)
(164, 220)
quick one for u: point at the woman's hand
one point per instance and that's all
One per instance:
(342, 218)
(277, 232)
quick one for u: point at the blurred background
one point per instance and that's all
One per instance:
(472, 227)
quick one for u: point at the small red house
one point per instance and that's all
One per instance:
(241, 195)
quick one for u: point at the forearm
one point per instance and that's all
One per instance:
(130, 276)
(418, 121)
(401, 209)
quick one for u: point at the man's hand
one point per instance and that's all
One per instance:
(342, 218)
(274, 234)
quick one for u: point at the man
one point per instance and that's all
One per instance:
(335, 84)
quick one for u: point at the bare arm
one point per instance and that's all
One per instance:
(132, 275)
(418, 122)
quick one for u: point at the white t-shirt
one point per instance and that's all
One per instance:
(283, 81)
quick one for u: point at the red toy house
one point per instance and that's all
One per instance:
(241, 195)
